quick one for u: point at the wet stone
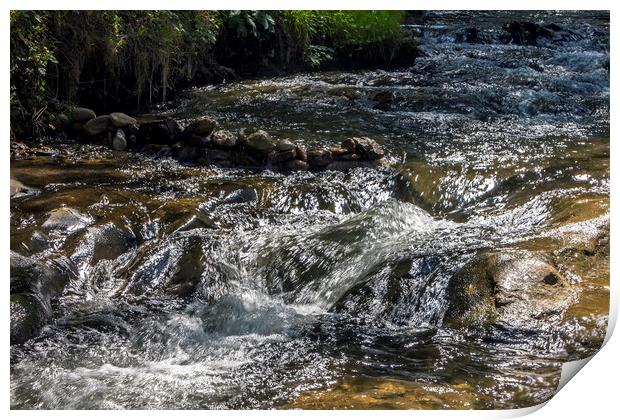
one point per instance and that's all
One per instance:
(243, 195)
(119, 142)
(188, 153)
(224, 139)
(67, 219)
(284, 145)
(165, 131)
(368, 148)
(350, 145)
(215, 155)
(120, 120)
(516, 290)
(81, 115)
(301, 153)
(279, 157)
(97, 126)
(341, 165)
(29, 314)
(319, 157)
(199, 141)
(18, 189)
(201, 127)
(296, 165)
(260, 141)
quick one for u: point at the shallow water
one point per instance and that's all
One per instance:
(201, 287)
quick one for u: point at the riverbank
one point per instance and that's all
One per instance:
(132, 60)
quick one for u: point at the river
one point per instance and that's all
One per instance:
(206, 287)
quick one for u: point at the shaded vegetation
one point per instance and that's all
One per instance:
(131, 59)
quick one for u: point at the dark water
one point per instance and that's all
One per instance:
(204, 287)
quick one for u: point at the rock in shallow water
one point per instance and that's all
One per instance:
(319, 157)
(159, 132)
(29, 314)
(66, 218)
(296, 165)
(514, 290)
(97, 126)
(368, 148)
(201, 127)
(119, 142)
(260, 141)
(243, 195)
(224, 139)
(18, 189)
(33, 284)
(120, 120)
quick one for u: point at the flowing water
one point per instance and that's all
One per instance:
(202, 287)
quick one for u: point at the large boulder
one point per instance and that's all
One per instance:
(81, 115)
(120, 120)
(97, 126)
(514, 290)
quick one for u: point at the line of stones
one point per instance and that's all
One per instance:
(201, 142)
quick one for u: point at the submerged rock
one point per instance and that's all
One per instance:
(515, 290)
(105, 242)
